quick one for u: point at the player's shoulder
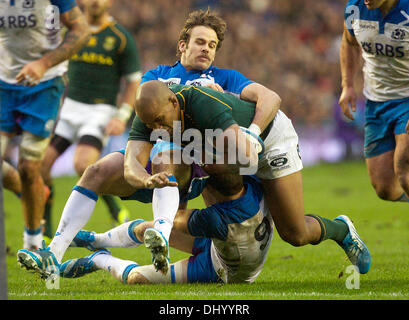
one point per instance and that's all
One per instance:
(352, 5)
(63, 5)
(115, 24)
(223, 71)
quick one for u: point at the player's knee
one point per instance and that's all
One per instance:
(136, 278)
(94, 174)
(384, 192)
(29, 170)
(295, 237)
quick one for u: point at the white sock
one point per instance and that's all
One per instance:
(77, 211)
(32, 238)
(118, 268)
(165, 204)
(121, 236)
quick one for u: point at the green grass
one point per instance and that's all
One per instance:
(309, 272)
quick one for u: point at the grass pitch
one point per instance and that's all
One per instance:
(309, 272)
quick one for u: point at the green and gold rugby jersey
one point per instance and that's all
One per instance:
(202, 108)
(94, 72)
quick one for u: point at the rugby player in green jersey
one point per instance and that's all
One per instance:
(160, 107)
(89, 115)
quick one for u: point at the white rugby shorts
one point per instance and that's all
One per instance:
(281, 156)
(78, 119)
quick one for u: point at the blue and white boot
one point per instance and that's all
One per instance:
(158, 245)
(84, 239)
(42, 261)
(75, 268)
(354, 247)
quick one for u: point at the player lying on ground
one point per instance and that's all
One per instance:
(228, 241)
(192, 181)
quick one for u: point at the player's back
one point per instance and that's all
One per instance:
(241, 256)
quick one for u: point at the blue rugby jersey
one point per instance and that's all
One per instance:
(230, 80)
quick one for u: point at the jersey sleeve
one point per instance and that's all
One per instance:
(139, 131)
(64, 5)
(232, 81)
(351, 11)
(129, 58)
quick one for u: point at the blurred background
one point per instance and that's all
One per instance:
(290, 46)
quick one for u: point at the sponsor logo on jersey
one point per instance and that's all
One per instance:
(380, 49)
(28, 4)
(18, 21)
(279, 162)
(92, 57)
(93, 41)
(109, 43)
(398, 34)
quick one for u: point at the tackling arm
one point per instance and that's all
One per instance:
(136, 157)
(267, 104)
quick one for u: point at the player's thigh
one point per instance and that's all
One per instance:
(106, 176)
(285, 200)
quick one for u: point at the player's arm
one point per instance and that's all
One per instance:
(267, 104)
(75, 38)
(349, 62)
(136, 157)
(237, 147)
(118, 124)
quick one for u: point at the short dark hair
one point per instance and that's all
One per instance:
(203, 18)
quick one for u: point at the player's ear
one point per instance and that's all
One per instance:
(174, 100)
(182, 46)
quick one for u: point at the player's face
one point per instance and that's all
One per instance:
(96, 8)
(200, 51)
(162, 117)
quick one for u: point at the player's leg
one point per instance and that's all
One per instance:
(166, 157)
(58, 145)
(384, 149)
(11, 179)
(280, 173)
(104, 176)
(401, 164)
(31, 151)
(382, 176)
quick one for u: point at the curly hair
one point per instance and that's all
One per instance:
(203, 18)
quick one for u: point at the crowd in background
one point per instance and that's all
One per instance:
(290, 46)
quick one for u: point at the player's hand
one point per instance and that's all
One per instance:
(407, 127)
(160, 180)
(31, 73)
(115, 127)
(214, 86)
(347, 102)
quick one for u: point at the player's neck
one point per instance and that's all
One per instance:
(388, 6)
(99, 21)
